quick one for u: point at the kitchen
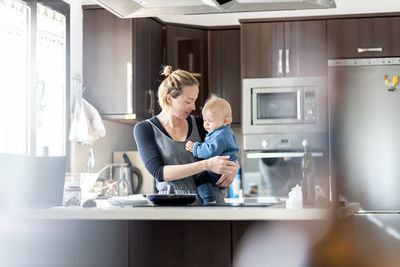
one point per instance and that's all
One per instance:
(119, 135)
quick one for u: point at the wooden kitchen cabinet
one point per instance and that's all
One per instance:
(187, 50)
(180, 243)
(148, 62)
(283, 49)
(347, 36)
(224, 67)
(121, 62)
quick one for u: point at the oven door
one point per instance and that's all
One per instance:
(275, 173)
(277, 105)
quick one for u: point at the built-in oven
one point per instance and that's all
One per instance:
(279, 113)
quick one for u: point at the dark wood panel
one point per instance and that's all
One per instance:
(224, 68)
(346, 35)
(147, 65)
(306, 43)
(121, 62)
(156, 60)
(299, 47)
(261, 43)
(141, 66)
(283, 19)
(181, 42)
(215, 63)
(180, 243)
(239, 229)
(107, 43)
(177, 34)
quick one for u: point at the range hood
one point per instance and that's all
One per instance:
(150, 8)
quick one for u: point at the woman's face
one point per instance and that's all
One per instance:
(184, 104)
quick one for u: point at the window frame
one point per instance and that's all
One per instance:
(63, 8)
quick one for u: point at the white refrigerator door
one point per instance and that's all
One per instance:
(365, 135)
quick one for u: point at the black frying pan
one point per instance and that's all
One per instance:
(171, 199)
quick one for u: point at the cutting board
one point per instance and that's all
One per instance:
(148, 179)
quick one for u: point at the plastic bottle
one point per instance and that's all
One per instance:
(236, 186)
(308, 175)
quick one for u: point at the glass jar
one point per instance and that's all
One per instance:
(72, 194)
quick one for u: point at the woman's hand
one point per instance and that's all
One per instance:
(227, 179)
(222, 165)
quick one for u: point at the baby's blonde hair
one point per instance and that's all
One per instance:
(173, 84)
(223, 106)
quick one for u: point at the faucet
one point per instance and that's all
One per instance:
(91, 161)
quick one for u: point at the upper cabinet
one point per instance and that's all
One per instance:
(187, 50)
(363, 37)
(148, 62)
(107, 61)
(121, 62)
(279, 49)
(224, 67)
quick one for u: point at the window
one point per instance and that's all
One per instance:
(34, 66)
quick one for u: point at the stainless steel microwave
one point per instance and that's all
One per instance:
(278, 113)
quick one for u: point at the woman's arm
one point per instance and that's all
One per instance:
(148, 149)
(154, 163)
(218, 164)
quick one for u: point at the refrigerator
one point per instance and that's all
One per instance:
(364, 121)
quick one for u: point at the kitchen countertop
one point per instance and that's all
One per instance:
(225, 213)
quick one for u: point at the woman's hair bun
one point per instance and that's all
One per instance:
(167, 71)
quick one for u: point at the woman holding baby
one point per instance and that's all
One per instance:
(161, 140)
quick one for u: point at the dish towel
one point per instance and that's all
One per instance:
(86, 126)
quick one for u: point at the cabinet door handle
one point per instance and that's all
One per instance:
(265, 155)
(280, 69)
(287, 61)
(372, 49)
(150, 111)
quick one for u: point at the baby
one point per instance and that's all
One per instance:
(220, 141)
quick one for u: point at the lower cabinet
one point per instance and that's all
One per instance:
(120, 243)
(185, 243)
(180, 243)
(63, 243)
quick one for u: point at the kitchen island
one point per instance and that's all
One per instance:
(143, 236)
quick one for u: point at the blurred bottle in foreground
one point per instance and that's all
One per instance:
(235, 189)
(308, 175)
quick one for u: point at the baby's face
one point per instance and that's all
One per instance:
(213, 119)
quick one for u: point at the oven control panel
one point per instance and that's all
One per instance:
(310, 105)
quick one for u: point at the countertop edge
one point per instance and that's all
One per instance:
(190, 213)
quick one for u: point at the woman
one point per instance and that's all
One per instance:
(161, 139)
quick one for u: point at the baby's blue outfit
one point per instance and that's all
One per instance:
(220, 142)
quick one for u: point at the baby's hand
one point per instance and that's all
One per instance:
(189, 146)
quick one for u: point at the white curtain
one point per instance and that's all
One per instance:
(14, 78)
(50, 63)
